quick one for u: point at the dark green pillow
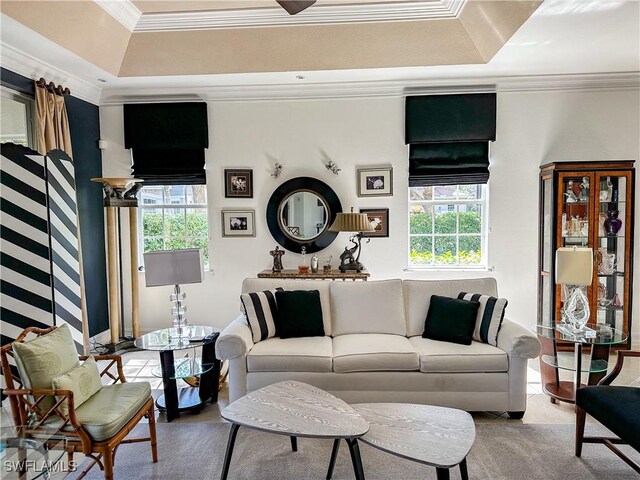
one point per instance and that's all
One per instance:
(299, 314)
(451, 320)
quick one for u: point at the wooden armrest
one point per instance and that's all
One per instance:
(618, 366)
(111, 358)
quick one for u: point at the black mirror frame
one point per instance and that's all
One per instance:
(313, 185)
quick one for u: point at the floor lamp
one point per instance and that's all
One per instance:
(121, 193)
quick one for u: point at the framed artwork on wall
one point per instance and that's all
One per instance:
(238, 223)
(379, 219)
(238, 183)
(375, 182)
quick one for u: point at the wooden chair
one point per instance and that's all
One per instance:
(27, 410)
(617, 408)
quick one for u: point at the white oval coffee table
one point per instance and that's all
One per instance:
(436, 436)
(296, 409)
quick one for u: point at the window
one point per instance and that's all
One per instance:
(17, 119)
(447, 226)
(174, 216)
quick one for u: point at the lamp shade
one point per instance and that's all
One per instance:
(351, 222)
(574, 266)
(173, 267)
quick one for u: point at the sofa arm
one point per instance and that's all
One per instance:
(517, 341)
(235, 340)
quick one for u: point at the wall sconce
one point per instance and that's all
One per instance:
(333, 167)
(277, 170)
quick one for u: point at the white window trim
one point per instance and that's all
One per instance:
(484, 235)
(30, 107)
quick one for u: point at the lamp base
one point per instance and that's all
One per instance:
(351, 267)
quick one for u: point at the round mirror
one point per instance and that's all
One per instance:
(303, 215)
(300, 212)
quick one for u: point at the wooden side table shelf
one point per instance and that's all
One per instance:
(320, 275)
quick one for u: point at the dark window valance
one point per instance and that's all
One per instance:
(177, 166)
(167, 142)
(459, 163)
(450, 118)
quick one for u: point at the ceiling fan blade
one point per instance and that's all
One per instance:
(295, 6)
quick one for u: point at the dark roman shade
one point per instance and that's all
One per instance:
(167, 142)
(448, 137)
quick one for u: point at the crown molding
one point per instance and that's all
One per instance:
(317, 15)
(28, 66)
(371, 89)
(124, 11)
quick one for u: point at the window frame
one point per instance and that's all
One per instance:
(30, 110)
(484, 231)
(171, 206)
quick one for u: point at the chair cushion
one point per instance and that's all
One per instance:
(260, 309)
(489, 318)
(43, 358)
(371, 352)
(299, 314)
(83, 381)
(108, 410)
(617, 408)
(368, 307)
(302, 354)
(442, 357)
(451, 319)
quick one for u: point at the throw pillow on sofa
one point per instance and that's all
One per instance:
(299, 314)
(261, 309)
(451, 319)
(489, 318)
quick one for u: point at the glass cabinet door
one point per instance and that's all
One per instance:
(576, 200)
(611, 249)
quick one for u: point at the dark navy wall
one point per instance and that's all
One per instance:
(84, 124)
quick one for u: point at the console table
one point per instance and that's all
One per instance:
(320, 275)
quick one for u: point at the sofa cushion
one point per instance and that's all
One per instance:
(257, 284)
(303, 354)
(442, 357)
(451, 319)
(83, 381)
(489, 318)
(417, 296)
(371, 352)
(368, 307)
(299, 314)
(261, 310)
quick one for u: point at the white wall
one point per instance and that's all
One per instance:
(533, 128)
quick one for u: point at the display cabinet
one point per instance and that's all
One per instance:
(586, 204)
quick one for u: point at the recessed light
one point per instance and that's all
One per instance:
(102, 80)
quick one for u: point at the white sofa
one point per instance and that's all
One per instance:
(373, 350)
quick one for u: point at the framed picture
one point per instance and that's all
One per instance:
(375, 182)
(238, 223)
(379, 219)
(238, 183)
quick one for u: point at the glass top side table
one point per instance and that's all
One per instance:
(27, 457)
(600, 339)
(166, 341)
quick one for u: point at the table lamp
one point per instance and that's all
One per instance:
(574, 267)
(351, 222)
(174, 267)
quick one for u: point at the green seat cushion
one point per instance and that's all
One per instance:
(43, 358)
(83, 381)
(108, 410)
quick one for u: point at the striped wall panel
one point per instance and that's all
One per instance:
(40, 272)
(26, 297)
(63, 222)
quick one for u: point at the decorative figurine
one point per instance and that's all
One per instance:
(612, 223)
(584, 190)
(609, 190)
(570, 194)
(327, 264)
(314, 264)
(277, 259)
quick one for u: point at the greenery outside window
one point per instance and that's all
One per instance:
(447, 226)
(174, 216)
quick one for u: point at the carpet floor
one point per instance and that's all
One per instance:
(521, 452)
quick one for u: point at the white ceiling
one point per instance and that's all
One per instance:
(563, 37)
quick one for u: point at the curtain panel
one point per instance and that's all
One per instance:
(52, 128)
